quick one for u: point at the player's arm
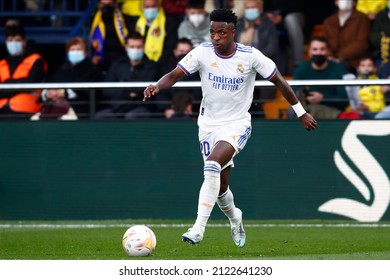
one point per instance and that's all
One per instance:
(308, 122)
(166, 81)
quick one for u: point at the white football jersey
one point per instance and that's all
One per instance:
(227, 82)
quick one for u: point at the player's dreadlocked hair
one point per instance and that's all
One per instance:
(224, 15)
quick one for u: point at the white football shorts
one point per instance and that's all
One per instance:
(236, 134)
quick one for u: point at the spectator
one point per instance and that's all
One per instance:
(255, 29)
(380, 36)
(196, 24)
(108, 34)
(370, 8)
(157, 29)
(125, 103)
(181, 108)
(384, 74)
(182, 48)
(78, 68)
(371, 99)
(323, 102)
(21, 65)
(347, 33)
(287, 15)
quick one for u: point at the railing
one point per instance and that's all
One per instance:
(93, 87)
(118, 85)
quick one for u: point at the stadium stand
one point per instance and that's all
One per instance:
(49, 21)
(48, 24)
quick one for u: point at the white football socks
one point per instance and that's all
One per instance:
(226, 204)
(208, 193)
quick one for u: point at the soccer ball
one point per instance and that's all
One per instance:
(139, 241)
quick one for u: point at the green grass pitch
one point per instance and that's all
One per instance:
(280, 240)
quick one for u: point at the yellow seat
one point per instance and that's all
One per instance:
(277, 108)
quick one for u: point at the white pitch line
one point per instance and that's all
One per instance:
(65, 226)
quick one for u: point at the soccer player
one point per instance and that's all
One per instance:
(227, 70)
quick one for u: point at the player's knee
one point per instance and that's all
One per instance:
(211, 168)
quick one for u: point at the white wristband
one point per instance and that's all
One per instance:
(298, 108)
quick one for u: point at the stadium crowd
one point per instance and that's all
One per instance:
(140, 40)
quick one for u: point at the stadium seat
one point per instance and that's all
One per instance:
(50, 21)
(277, 108)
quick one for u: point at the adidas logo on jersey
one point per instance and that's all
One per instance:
(214, 64)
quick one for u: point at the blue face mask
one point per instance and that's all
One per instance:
(14, 48)
(251, 14)
(135, 54)
(75, 57)
(150, 13)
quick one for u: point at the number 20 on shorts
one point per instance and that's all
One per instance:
(205, 148)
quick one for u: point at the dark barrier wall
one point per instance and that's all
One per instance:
(115, 170)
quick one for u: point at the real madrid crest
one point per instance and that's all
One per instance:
(240, 69)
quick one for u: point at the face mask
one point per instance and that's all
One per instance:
(14, 47)
(75, 57)
(251, 14)
(196, 19)
(345, 5)
(135, 54)
(150, 13)
(318, 59)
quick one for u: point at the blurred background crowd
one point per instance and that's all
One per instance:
(58, 41)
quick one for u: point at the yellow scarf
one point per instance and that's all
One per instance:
(154, 41)
(98, 31)
(385, 48)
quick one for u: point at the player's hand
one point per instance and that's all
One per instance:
(150, 91)
(308, 122)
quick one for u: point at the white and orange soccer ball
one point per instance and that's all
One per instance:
(139, 241)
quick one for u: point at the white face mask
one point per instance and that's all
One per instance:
(150, 13)
(345, 5)
(251, 14)
(14, 48)
(196, 19)
(75, 56)
(135, 54)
